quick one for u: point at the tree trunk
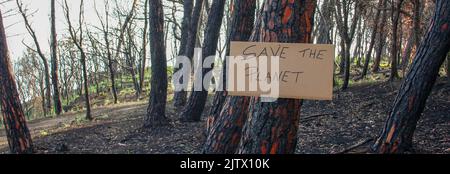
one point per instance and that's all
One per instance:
(381, 3)
(325, 23)
(224, 128)
(197, 100)
(347, 64)
(54, 47)
(396, 7)
(144, 50)
(409, 104)
(17, 133)
(79, 44)
(180, 95)
(381, 42)
(86, 86)
(272, 127)
(156, 112)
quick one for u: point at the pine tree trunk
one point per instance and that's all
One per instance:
(326, 19)
(394, 47)
(381, 3)
(347, 64)
(180, 95)
(18, 135)
(144, 50)
(56, 94)
(86, 86)
(272, 127)
(225, 126)
(156, 112)
(196, 103)
(381, 42)
(397, 134)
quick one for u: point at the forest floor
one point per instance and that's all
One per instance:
(354, 116)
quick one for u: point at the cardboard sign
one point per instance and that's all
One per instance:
(302, 71)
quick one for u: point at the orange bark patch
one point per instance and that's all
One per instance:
(274, 148)
(391, 134)
(287, 15)
(263, 147)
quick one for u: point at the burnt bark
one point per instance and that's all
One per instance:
(271, 128)
(156, 112)
(326, 22)
(17, 133)
(381, 43)
(144, 50)
(224, 127)
(54, 60)
(347, 33)
(381, 3)
(396, 7)
(179, 97)
(197, 100)
(397, 134)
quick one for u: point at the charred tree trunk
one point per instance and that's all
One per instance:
(381, 42)
(86, 86)
(224, 128)
(347, 32)
(272, 127)
(54, 60)
(17, 133)
(181, 96)
(196, 104)
(325, 23)
(156, 112)
(381, 3)
(409, 104)
(396, 7)
(144, 50)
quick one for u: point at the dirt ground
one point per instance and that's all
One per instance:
(326, 126)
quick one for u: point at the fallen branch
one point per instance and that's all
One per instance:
(356, 146)
(316, 116)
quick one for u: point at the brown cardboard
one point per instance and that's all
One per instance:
(305, 70)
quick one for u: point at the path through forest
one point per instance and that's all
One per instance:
(326, 127)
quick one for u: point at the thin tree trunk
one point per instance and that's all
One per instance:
(396, 7)
(144, 50)
(180, 95)
(397, 134)
(381, 42)
(54, 47)
(381, 3)
(196, 104)
(17, 133)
